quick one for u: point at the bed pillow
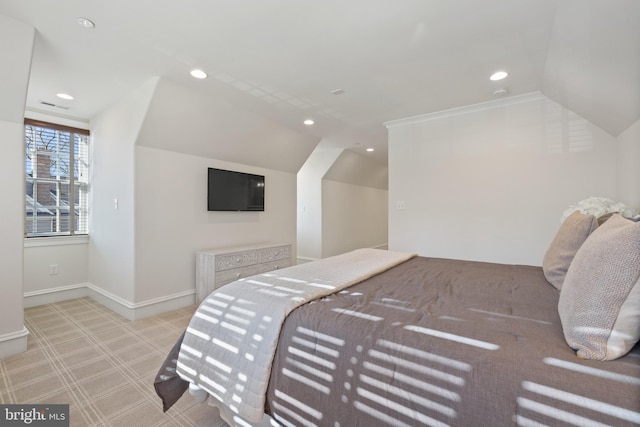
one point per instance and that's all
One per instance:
(599, 302)
(571, 235)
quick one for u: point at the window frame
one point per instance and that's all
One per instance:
(74, 184)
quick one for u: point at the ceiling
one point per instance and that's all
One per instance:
(281, 59)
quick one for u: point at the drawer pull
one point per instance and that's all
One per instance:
(238, 275)
(277, 267)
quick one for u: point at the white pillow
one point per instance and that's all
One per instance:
(599, 302)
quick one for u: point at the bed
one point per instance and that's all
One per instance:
(433, 342)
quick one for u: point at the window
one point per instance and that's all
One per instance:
(57, 179)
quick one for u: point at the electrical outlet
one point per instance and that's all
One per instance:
(53, 269)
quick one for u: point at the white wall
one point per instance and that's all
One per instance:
(111, 247)
(489, 182)
(342, 203)
(16, 56)
(12, 332)
(172, 222)
(185, 119)
(629, 166)
(358, 169)
(309, 232)
(353, 217)
(70, 257)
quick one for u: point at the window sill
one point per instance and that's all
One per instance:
(34, 242)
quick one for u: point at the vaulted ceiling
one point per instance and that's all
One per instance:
(350, 65)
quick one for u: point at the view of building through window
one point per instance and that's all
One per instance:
(57, 179)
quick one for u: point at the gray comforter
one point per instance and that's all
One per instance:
(444, 342)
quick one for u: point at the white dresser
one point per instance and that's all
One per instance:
(219, 266)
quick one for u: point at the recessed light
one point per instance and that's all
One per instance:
(308, 122)
(85, 23)
(198, 74)
(498, 75)
(64, 96)
(370, 149)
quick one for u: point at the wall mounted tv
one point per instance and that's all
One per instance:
(234, 191)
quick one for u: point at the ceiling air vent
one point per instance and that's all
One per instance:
(51, 104)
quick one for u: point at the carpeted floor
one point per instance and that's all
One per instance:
(101, 364)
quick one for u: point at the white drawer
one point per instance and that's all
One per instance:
(275, 265)
(238, 273)
(240, 259)
(272, 254)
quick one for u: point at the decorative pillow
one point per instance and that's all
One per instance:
(599, 303)
(571, 235)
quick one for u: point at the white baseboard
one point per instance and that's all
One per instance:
(48, 296)
(13, 343)
(140, 310)
(127, 309)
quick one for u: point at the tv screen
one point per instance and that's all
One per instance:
(234, 191)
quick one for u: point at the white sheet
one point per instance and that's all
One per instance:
(231, 340)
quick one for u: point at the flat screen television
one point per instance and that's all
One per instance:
(234, 191)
